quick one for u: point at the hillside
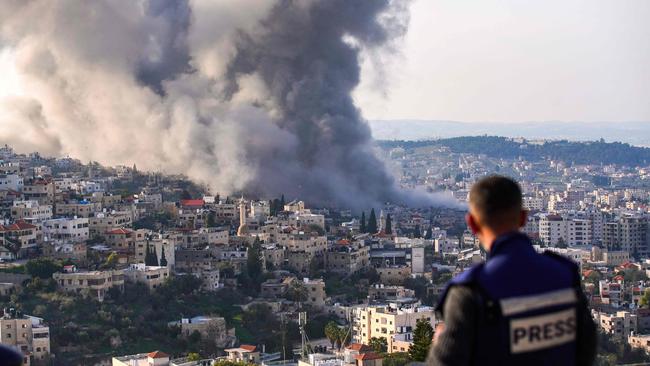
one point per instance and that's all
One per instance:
(593, 152)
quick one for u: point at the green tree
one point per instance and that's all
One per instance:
(163, 259)
(422, 337)
(231, 363)
(379, 344)
(332, 332)
(148, 258)
(389, 225)
(396, 359)
(254, 260)
(154, 256)
(362, 224)
(372, 222)
(417, 233)
(212, 219)
(644, 302)
(193, 356)
(297, 291)
(43, 267)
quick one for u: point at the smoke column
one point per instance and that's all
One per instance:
(245, 95)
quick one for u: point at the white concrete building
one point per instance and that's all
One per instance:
(73, 229)
(11, 181)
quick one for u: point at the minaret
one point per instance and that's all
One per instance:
(243, 229)
(382, 221)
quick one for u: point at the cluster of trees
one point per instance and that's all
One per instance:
(276, 205)
(126, 322)
(337, 335)
(370, 225)
(151, 257)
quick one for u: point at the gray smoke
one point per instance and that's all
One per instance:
(245, 96)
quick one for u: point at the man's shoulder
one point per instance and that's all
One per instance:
(468, 276)
(462, 283)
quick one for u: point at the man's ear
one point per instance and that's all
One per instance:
(523, 218)
(472, 223)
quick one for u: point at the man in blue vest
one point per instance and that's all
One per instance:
(519, 307)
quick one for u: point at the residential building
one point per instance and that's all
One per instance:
(386, 321)
(151, 276)
(381, 292)
(315, 292)
(78, 209)
(30, 210)
(70, 229)
(40, 190)
(90, 283)
(25, 333)
(155, 358)
(618, 325)
(244, 353)
(103, 222)
(209, 327)
(347, 258)
(13, 182)
(640, 341)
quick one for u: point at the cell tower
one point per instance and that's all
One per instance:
(305, 350)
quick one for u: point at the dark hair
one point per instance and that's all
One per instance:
(496, 199)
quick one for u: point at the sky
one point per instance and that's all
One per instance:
(515, 61)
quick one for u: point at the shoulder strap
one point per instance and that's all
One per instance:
(467, 278)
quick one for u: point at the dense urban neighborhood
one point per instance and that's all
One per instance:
(116, 266)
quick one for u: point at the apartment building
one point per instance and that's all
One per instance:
(315, 292)
(630, 233)
(394, 275)
(381, 292)
(209, 327)
(302, 242)
(387, 321)
(90, 283)
(347, 258)
(30, 210)
(25, 333)
(20, 232)
(104, 222)
(158, 243)
(70, 229)
(40, 190)
(611, 293)
(555, 229)
(13, 182)
(151, 276)
(618, 325)
(78, 209)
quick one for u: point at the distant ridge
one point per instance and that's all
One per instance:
(593, 152)
(634, 133)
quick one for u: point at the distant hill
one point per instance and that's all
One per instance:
(594, 152)
(635, 133)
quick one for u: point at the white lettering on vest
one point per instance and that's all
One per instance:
(543, 331)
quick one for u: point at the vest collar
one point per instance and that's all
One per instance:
(510, 242)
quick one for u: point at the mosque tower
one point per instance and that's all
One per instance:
(243, 228)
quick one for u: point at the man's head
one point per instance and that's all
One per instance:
(495, 208)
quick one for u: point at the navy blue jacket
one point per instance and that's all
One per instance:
(529, 308)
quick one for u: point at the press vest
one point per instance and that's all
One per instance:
(528, 308)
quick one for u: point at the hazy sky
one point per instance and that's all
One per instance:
(517, 60)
